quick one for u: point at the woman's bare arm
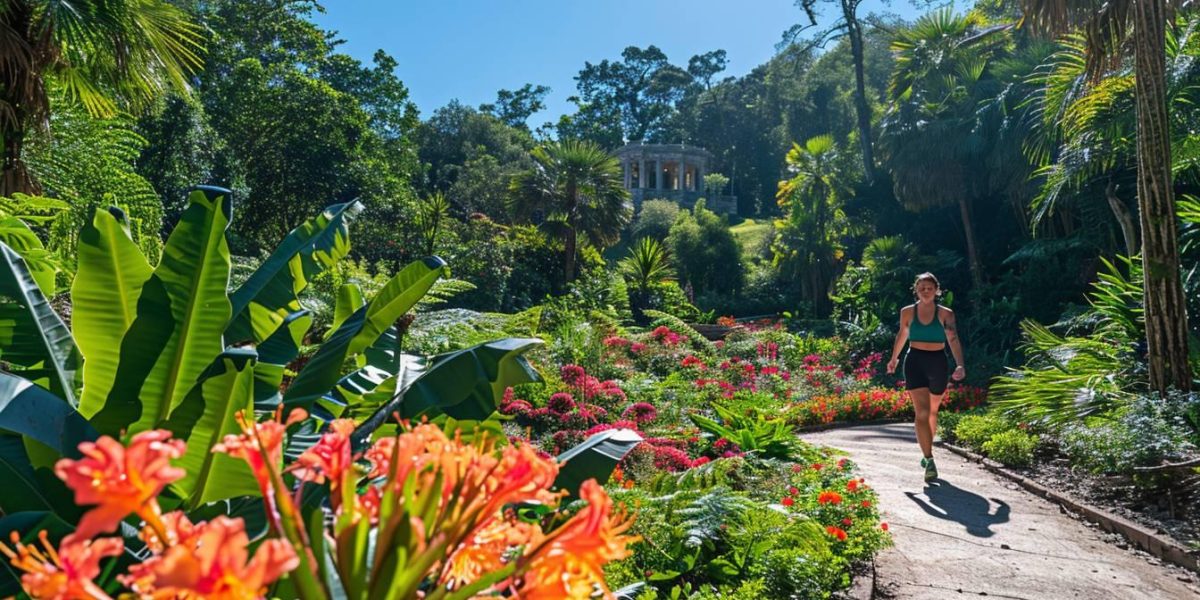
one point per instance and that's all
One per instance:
(952, 340)
(901, 339)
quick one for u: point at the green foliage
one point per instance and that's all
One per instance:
(1150, 429)
(654, 219)
(977, 430)
(706, 255)
(1013, 447)
(1066, 377)
(754, 433)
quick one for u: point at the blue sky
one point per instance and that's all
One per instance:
(469, 49)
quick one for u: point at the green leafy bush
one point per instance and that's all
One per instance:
(1013, 447)
(976, 430)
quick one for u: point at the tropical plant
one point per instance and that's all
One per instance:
(170, 347)
(101, 54)
(576, 187)
(772, 437)
(370, 547)
(808, 241)
(930, 138)
(1107, 28)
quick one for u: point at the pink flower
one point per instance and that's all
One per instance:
(642, 412)
(561, 403)
(636, 347)
(572, 374)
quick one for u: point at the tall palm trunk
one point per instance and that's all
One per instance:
(863, 110)
(1166, 311)
(964, 207)
(570, 244)
(1124, 218)
(14, 177)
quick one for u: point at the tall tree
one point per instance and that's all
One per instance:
(809, 241)
(1106, 25)
(105, 55)
(576, 187)
(642, 87)
(931, 138)
(850, 27)
(514, 107)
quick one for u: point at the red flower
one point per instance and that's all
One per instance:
(829, 497)
(792, 491)
(866, 504)
(836, 532)
(883, 526)
(847, 521)
(852, 485)
(787, 501)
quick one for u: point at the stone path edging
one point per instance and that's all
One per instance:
(1160, 546)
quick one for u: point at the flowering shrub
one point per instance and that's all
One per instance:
(443, 506)
(845, 506)
(877, 403)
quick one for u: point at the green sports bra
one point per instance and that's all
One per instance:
(933, 332)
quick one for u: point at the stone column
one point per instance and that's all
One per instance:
(658, 174)
(699, 180)
(642, 176)
(627, 165)
(680, 174)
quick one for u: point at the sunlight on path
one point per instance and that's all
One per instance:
(973, 534)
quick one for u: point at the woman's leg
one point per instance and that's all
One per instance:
(920, 398)
(935, 402)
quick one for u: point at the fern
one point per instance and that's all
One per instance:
(704, 516)
(442, 292)
(677, 325)
(703, 477)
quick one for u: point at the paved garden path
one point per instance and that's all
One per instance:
(972, 533)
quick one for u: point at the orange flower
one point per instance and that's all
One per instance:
(829, 497)
(120, 480)
(213, 563)
(260, 445)
(485, 552)
(852, 485)
(570, 564)
(329, 457)
(380, 456)
(836, 532)
(65, 574)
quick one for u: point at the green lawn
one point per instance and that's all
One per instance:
(750, 232)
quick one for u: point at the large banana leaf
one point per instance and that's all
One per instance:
(104, 297)
(41, 263)
(181, 315)
(595, 458)
(264, 302)
(21, 490)
(362, 329)
(31, 411)
(274, 354)
(204, 418)
(465, 384)
(33, 339)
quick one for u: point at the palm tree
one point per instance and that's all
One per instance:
(1107, 24)
(931, 139)
(647, 264)
(809, 241)
(576, 187)
(101, 54)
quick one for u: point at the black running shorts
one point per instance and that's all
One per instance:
(926, 369)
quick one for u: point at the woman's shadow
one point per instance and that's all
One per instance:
(955, 504)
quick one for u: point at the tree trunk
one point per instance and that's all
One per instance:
(863, 110)
(969, 231)
(1124, 218)
(14, 177)
(1165, 308)
(571, 241)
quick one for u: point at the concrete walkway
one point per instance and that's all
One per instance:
(971, 533)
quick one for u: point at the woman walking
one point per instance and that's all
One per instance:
(928, 328)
